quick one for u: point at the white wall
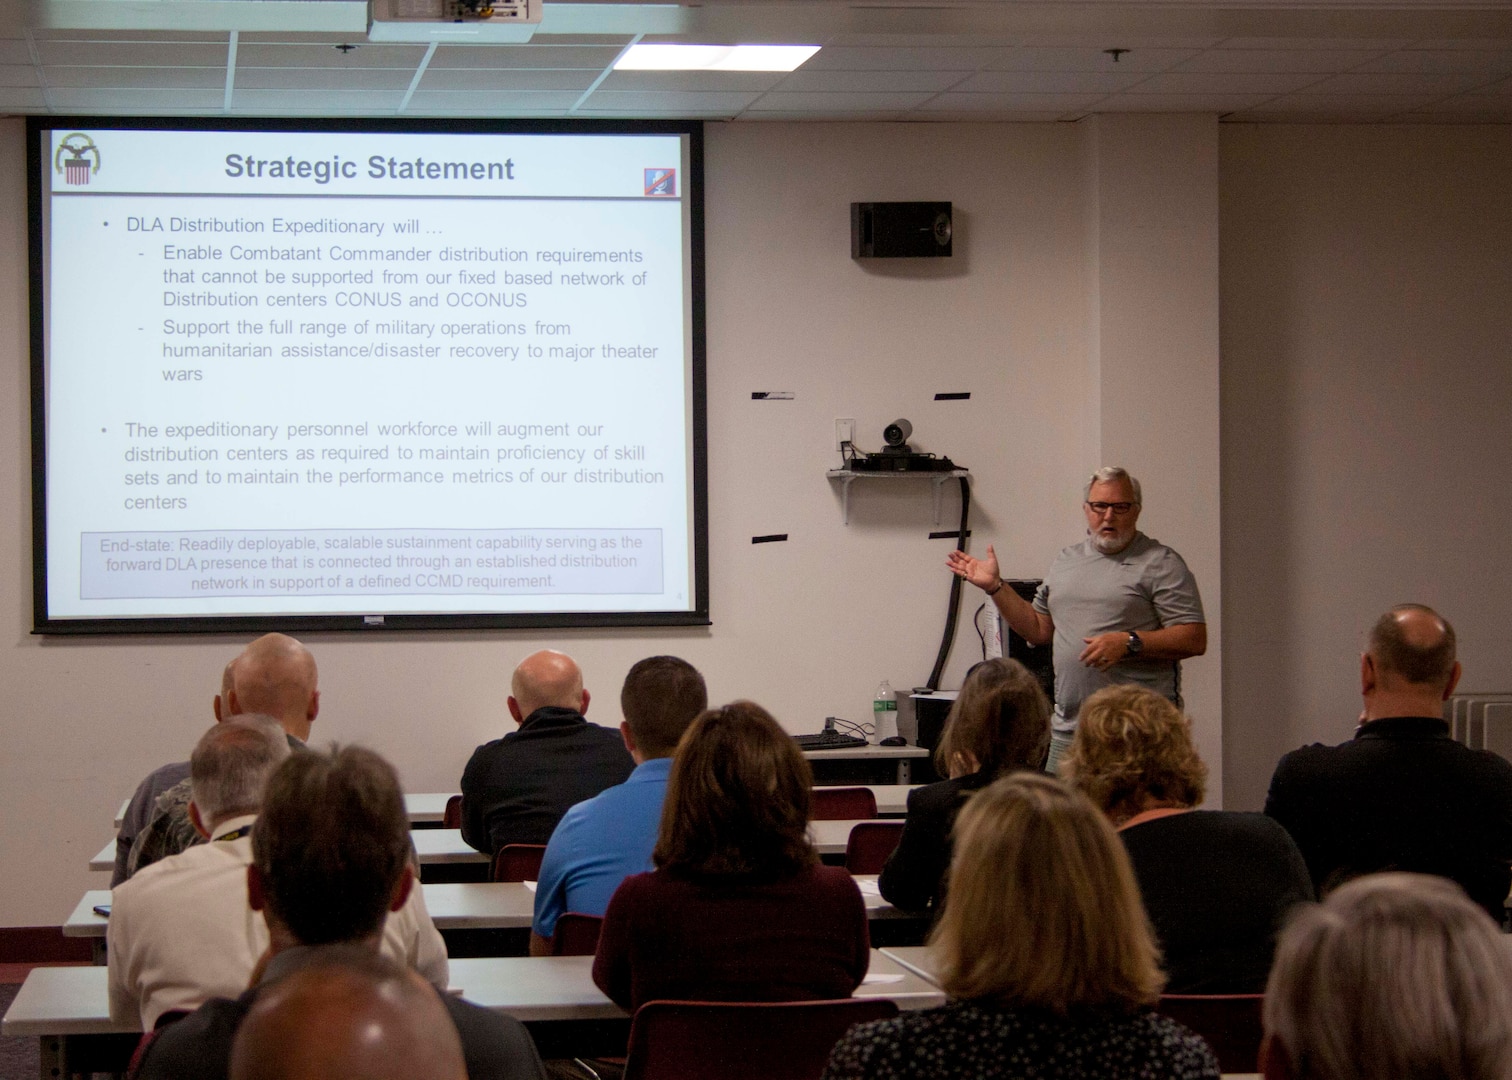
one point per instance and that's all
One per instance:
(807, 627)
(1366, 388)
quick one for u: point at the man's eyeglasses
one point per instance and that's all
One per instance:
(1119, 508)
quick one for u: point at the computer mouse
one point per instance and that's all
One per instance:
(894, 740)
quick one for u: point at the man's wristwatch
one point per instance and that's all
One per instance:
(1136, 644)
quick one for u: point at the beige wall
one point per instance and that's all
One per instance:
(1366, 389)
(807, 627)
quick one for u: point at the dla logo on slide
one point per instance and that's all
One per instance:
(83, 154)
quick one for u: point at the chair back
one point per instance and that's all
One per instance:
(451, 817)
(1229, 1022)
(576, 934)
(842, 803)
(518, 862)
(737, 1040)
(870, 843)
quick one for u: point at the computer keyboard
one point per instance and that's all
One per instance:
(828, 740)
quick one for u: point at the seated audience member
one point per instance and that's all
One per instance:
(1392, 977)
(143, 804)
(515, 789)
(999, 723)
(1402, 795)
(1216, 884)
(331, 867)
(351, 1014)
(274, 676)
(739, 908)
(1045, 953)
(602, 841)
(182, 930)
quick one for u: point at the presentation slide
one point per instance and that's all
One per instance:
(368, 374)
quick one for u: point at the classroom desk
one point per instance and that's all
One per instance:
(862, 756)
(422, 808)
(67, 1008)
(918, 959)
(105, 860)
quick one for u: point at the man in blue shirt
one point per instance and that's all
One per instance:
(601, 842)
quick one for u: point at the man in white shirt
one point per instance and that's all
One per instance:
(182, 930)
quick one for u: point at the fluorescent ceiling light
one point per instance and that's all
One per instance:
(714, 57)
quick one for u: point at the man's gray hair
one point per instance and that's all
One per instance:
(231, 765)
(1112, 474)
(1394, 977)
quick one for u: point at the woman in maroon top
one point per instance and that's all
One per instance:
(739, 908)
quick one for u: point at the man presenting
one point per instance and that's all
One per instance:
(1402, 795)
(1119, 606)
(515, 789)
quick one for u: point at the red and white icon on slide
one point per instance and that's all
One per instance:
(661, 182)
(82, 161)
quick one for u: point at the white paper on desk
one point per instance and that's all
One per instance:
(531, 885)
(882, 977)
(868, 888)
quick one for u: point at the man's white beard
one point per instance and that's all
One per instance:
(1112, 545)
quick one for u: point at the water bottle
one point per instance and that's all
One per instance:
(884, 712)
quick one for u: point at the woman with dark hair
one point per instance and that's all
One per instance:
(1045, 953)
(1000, 722)
(738, 908)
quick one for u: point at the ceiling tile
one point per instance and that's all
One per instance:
(45, 34)
(479, 81)
(1050, 82)
(16, 75)
(847, 103)
(1435, 116)
(261, 78)
(14, 51)
(140, 78)
(130, 54)
(870, 81)
(307, 102)
(1358, 83)
(724, 104)
(1488, 63)
(1196, 103)
(755, 82)
(328, 56)
(118, 101)
(491, 105)
(1039, 103)
(21, 99)
(1346, 104)
(1321, 116)
(903, 59)
(1211, 82)
(1323, 61)
(1496, 88)
(543, 57)
(1011, 115)
(1472, 103)
(1136, 60)
(1289, 44)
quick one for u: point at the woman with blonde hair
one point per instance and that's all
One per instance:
(1217, 884)
(1000, 722)
(1393, 977)
(738, 908)
(1045, 952)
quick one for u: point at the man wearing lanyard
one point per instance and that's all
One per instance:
(1119, 606)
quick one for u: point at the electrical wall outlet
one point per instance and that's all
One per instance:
(845, 432)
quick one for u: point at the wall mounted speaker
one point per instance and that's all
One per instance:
(900, 230)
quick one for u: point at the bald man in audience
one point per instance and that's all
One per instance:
(184, 929)
(347, 1013)
(1402, 795)
(330, 864)
(515, 789)
(274, 676)
(143, 805)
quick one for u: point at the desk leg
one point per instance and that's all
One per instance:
(51, 1057)
(903, 770)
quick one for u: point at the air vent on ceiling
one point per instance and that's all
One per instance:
(458, 21)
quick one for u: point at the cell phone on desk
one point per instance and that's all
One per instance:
(102, 910)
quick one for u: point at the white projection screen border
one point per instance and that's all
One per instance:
(366, 375)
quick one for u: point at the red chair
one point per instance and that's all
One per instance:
(576, 934)
(870, 843)
(518, 862)
(451, 817)
(1229, 1022)
(842, 804)
(738, 1040)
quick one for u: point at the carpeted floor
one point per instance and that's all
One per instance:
(18, 1057)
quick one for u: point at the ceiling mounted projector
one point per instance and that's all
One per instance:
(463, 22)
